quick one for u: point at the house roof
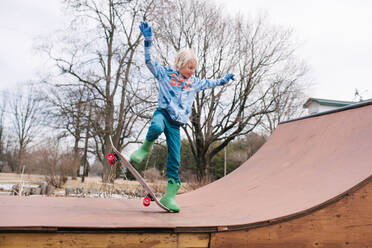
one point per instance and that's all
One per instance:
(327, 102)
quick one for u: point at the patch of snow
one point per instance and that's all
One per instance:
(8, 186)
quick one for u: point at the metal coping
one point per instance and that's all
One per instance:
(348, 107)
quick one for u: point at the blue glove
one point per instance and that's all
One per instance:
(229, 77)
(145, 29)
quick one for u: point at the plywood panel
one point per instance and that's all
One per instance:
(193, 240)
(104, 240)
(57, 240)
(345, 223)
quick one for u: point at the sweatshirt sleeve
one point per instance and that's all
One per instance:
(207, 84)
(153, 66)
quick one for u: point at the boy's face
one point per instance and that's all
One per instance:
(189, 69)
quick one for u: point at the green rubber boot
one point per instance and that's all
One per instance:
(139, 155)
(169, 198)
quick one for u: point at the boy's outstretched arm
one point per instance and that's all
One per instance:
(207, 84)
(153, 66)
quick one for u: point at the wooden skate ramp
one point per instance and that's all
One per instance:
(309, 184)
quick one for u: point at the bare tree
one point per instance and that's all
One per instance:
(2, 141)
(67, 110)
(100, 56)
(260, 54)
(25, 118)
(288, 103)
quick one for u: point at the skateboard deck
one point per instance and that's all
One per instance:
(117, 156)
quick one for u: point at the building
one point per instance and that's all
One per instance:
(317, 105)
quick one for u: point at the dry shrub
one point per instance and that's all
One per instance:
(96, 169)
(190, 181)
(193, 183)
(56, 181)
(50, 160)
(152, 175)
(187, 176)
(159, 187)
(60, 167)
(6, 169)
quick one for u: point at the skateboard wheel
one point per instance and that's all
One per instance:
(146, 201)
(110, 157)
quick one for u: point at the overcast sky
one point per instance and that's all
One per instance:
(335, 36)
(336, 39)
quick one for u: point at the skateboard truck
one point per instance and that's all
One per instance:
(112, 158)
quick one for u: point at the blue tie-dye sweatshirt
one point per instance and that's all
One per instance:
(176, 94)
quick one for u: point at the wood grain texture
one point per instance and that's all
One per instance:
(345, 223)
(104, 240)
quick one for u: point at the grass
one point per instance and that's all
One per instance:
(11, 177)
(95, 184)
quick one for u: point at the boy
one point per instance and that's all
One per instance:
(177, 89)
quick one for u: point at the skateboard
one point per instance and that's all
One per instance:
(116, 156)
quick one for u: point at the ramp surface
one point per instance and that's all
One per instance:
(305, 165)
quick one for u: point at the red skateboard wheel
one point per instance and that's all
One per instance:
(110, 157)
(146, 201)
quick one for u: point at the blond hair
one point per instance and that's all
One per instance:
(183, 57)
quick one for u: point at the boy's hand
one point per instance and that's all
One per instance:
(145, 29)
(229, 77)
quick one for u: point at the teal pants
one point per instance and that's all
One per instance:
(162, 123)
